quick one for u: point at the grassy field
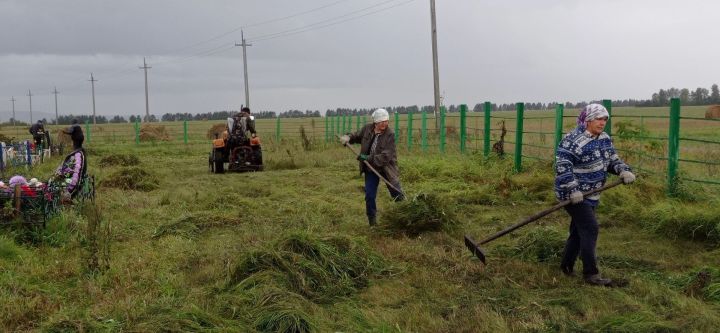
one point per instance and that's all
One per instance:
(289, 250)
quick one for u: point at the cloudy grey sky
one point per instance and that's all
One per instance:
(320, 54)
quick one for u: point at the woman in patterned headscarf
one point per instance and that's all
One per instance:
(584, 157)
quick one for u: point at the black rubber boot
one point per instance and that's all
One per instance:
(372, 220)
(598, 280)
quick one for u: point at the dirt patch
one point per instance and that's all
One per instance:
(216, 131)
(713, 112)
(153, 133)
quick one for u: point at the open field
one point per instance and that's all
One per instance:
(289, 249)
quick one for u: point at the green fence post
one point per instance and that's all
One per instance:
(185, 131)
(608, 105)
(327, 134)
(277, 130)
(410, 130)
(519, 135)
(486, 132)
(442, 129)
(423, 132)
(137, 131)
(87, 130)
(344, 123)
(559, 109)
(396, 118)
(337, 125)
(673, 145)
(463, 125)
(357, 122)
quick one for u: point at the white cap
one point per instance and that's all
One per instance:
(380, 115)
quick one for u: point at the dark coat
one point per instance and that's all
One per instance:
(384, 159)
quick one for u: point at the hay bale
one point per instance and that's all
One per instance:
(713, 112)
(216, 131)
(419, 214)
(150, 132)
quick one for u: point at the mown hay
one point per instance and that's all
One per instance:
(421, 213)
(642, 321)
(541, 244)
(216, 131)
(699, 222)
(319, 268)
(63, 139)
(119, 160)
(713, 112)
(192, 224)
(132, 178)
(150, 132)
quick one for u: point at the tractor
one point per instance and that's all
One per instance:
(234, 148)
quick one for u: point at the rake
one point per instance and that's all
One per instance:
(475, 248)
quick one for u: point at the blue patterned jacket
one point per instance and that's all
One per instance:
(582, 163)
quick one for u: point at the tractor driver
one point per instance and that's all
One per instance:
(247, 121)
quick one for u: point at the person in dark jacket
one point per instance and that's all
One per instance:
(584, 157)
(377, 147)
(76, 134)
(38, 131)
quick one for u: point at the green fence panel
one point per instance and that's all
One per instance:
(608, 105)
(442, 129)
(185, 131)
(137, 131)
(396, 118)
(344, 124)
(327, 133)
(673, 145)
(486, 125)
(337, 124)
(519, 135)
(410, 130)
(423, 132)
(463, 127)
(559, 110)
(357, 122)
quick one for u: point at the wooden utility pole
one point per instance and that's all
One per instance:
(247, 89)
(30, 95)
(92, 82)
(436, 75)
(147, 100)
(55, 92)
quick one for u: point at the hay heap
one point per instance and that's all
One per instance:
(419, 214)
(63, 139)
(132, 178)
(216, 129)
(713, 112)
(119, 160)
(542, 244)
(150, 132)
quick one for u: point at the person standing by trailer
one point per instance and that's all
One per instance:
(377, 143)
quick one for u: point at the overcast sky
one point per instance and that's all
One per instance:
(320, 54)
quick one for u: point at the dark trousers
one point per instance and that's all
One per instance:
(583, 238)
(371, 185)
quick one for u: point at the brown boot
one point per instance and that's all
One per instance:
(598, 280)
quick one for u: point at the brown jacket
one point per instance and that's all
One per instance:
(384, 159)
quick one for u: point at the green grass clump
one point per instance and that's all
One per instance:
(700, 222)
(420, 213)
(633, 323)
(320, 269)
(190, 225)
(119, 160)
(541, 244)
(8, 249)
(132, 178)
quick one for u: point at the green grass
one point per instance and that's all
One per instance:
(289, 249)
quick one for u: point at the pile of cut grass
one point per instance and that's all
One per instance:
(419, 214)
(119, 160)
(541, 244)
(132, 178)
(698, 222)
(154, 133)
(190, 225)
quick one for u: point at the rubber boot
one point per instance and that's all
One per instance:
(598, 280)
(372, 220)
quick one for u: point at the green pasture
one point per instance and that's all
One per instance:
(168, 246)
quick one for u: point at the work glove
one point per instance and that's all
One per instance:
(627, 177)
(576, 197)
(363, 157)
(345, 139)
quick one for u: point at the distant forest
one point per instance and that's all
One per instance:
(699, 96)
